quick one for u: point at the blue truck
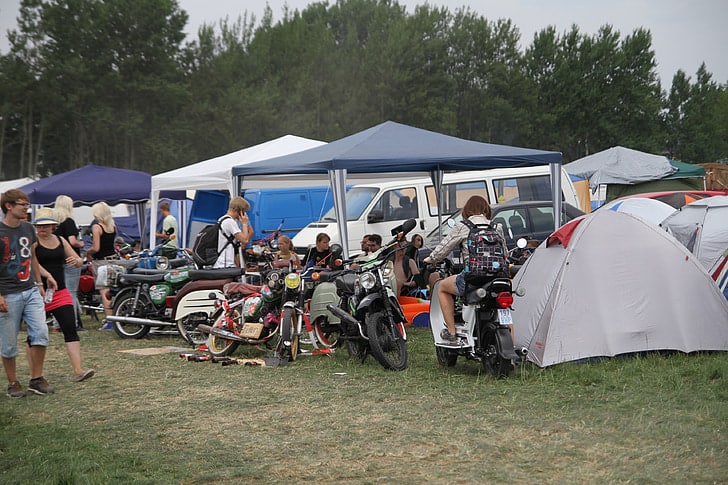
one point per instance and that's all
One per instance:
(291, 209)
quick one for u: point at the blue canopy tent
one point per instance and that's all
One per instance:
(92, 183)
(394, 147)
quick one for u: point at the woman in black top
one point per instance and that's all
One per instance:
(68, 230)
(104, 233)
(54, 253)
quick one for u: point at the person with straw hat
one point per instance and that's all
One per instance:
(53, 252)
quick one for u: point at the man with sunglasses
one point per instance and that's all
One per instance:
(21, 295)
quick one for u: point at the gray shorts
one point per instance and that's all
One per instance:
(25, 306)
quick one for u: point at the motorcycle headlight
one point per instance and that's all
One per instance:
(367, 280)
(293, 281)
(162, 262)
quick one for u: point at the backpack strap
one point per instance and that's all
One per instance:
(230, 239)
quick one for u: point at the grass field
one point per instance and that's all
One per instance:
(325, 419)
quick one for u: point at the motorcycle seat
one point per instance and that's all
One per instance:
(241, 289)
(215, 273)
(131, 278)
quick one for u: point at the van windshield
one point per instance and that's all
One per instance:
(357, 199)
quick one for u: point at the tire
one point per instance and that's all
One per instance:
(493, 363)
(326, 334)
(220, 346)
(390, 349)
(357, 348)
(289, 339)
(126, 306)
(187, 328)
(446, 357)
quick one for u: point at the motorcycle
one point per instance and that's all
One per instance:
(174, 298)
(261, 253)
(371, 318)
(483, 324)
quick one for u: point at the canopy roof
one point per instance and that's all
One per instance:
(393, 147)
(90, 184)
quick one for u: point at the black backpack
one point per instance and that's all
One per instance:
(204, 251)
(486, 254)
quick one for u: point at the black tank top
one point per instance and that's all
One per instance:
(53, 260)
(106, 243)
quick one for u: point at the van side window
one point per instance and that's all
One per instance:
(522, 189)
(542, 218)
(398, 204)
(455, 195)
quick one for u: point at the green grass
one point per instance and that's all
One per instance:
(325, 419)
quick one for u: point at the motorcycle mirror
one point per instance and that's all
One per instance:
(169, 231)
(520, 291)
(336, 250)
(521, 243)
(408, 225)
(396, 230)
(451, 222)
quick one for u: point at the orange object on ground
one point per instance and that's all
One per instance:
(413, 306)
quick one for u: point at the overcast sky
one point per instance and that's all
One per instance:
(684, 33)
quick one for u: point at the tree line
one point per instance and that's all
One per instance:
(115, 83)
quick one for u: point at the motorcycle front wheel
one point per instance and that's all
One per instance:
(386, 341)
(187, 328)
(358, 349)
(289, 338)
(219, 346)
(493, 363)
(129, 306)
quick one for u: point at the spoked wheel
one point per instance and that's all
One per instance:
(493, 363)
(388, 346)
(128, 306)
(289, 338)
(358, 349)
(446, 357)
(220, 346)
(187, 328)
(327, 334)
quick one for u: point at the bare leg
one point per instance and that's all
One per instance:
(36, 356)
(74, 353)
(10, 370)
(447, 304)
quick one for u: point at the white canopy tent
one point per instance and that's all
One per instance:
(216, 173)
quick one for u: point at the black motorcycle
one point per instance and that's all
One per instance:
(372, 319)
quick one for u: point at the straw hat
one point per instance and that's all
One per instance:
(45, 216)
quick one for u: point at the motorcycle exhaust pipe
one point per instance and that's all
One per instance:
(226, 334)
(141, 321)
(342, 314)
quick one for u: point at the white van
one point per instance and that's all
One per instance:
(375, 208)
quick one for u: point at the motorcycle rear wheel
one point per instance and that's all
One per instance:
(126, 306)
(326, 334)
(187, 328)
(446, 357)
(289, 338)
(493, 363)
(386, 341)
(220, 346)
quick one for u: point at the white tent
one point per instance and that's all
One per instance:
(216, 173)
(14, 184)
(610, 283)
(619, 165)
(702, 226)
(651, 210)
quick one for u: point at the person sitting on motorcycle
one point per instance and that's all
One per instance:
(405, 269)
(319, 255)
(476, 210)
(285, 256)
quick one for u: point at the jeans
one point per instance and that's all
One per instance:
(73, 276)
(25, 306)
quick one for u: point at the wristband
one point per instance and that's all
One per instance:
(38, 283)
(245, 224)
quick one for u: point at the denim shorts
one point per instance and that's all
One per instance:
(460, 284)
(25, 306)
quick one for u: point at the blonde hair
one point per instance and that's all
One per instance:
(63, 207)
(102, 212)
(238, 204)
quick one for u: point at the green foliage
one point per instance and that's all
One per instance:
(114, 83)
